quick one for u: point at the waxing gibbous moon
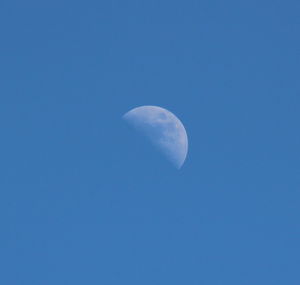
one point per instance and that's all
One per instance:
(163, 129)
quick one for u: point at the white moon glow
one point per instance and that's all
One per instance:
(164, 130)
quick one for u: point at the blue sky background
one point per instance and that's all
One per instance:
(85, 200)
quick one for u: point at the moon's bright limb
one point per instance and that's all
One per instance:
(164, 130)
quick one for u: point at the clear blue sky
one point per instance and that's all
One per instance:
(85, 200)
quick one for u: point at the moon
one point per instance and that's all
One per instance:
(164, 130)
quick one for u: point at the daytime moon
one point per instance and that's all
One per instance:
(163, 129)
